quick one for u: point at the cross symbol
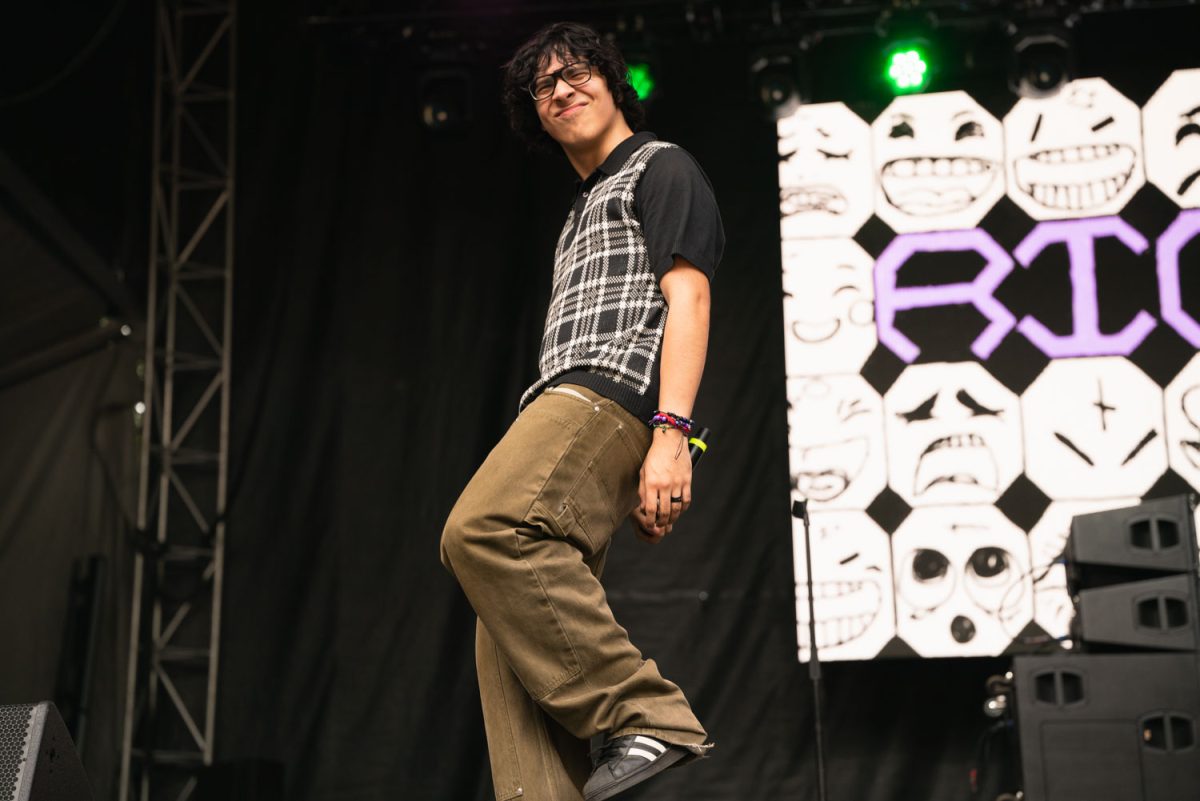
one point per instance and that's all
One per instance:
(1102, 406)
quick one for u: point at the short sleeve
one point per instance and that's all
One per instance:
(679, 213)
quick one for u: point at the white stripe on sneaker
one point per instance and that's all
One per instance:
(650, 741)
(644, 754)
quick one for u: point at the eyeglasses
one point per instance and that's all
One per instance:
(576, 74)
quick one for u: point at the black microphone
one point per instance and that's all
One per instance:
(698, 445)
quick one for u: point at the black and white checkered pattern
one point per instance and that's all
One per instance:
(607, 312)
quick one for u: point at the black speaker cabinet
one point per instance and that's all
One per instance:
(1155, 536)
(1109, 727)
(1156, 614)
(37, 758)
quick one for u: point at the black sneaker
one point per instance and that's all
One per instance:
(625, 761)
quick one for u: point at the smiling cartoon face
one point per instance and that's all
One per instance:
(1171, 126)
(835, 439)
(828, 306)
(962, 581)
(953, 435)
(852, 586)
(1053, 609)
(1093, 429)
(1076, 154)
(1182, 402)
(825, 179)
(940, 162)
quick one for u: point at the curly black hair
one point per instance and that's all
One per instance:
(566, 40)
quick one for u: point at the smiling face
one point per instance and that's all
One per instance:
(825, 180)
(577, 117)
(962, 581)
(852, 585)
(1093, 429)
(953, 435)
(1077, 154)
(835, 439)
(1171, 126)
(828, 306)
(940, 162)
(1182, 402)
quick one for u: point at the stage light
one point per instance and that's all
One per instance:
(1041, 62)
(907, 66)
(446, 99)
(776, 82)
(642, 79)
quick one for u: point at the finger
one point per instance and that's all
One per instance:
(676, 506)
(643, 495)
(663, 513)
(687, 497)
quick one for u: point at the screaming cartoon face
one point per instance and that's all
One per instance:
(1093, 429)
(828, 306)
(940, 162)
(953, 434)
(1182, 401)
(835, 441)
(1053, 609)
(962, 581)
(852, 586)
(1077, 154)
(825, 180)
(1171, 126)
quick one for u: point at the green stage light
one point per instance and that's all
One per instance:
(641, 79)
(908, 68)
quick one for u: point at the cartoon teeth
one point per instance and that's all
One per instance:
(913, 186)
(805, 199)
(844, 610)
(1076, 178)
(956, 459)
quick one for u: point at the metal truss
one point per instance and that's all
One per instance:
(175, 627)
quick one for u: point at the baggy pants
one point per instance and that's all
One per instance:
(527, 542)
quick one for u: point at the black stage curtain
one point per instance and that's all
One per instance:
(390, 293)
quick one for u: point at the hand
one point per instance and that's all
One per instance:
(666, 473)
(645, 529)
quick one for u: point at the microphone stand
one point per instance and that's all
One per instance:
(800, 510)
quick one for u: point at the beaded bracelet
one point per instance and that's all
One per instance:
(668, 420)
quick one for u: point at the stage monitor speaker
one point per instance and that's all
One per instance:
(1108, 727)
(1155, 537)
(37, 758)
(1156, 614)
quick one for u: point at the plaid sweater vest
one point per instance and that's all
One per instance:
(607, 312)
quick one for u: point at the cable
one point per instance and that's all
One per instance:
(102, 32)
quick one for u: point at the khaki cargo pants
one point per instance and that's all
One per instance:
(527, 542)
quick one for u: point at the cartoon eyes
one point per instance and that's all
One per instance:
(968, 130)
(989, 563)
(848, 409)
(901, 129)
(929, 565)
(924, 411)
(828, 155)
(1187, 129)
(1142, 443)
(1104, 123)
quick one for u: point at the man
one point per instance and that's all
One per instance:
(528, 537)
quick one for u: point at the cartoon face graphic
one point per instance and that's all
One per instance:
(962, 581)
(1093, 429)
(953, 435)
(1171, 127)
(835, 441)
(852, 586)
(1076, 154)
(1047, 539)
(1182, 402)
(940, 161)
(828, 306)
(825, 178)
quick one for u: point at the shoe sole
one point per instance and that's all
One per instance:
(672, 757)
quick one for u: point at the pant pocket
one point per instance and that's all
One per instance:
(602, 489)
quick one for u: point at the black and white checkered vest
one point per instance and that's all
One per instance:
(607, 312)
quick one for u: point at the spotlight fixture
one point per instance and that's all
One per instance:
(1041, 61)
(777, 82)
(908, 66)
(446, 99)
(641, 78)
